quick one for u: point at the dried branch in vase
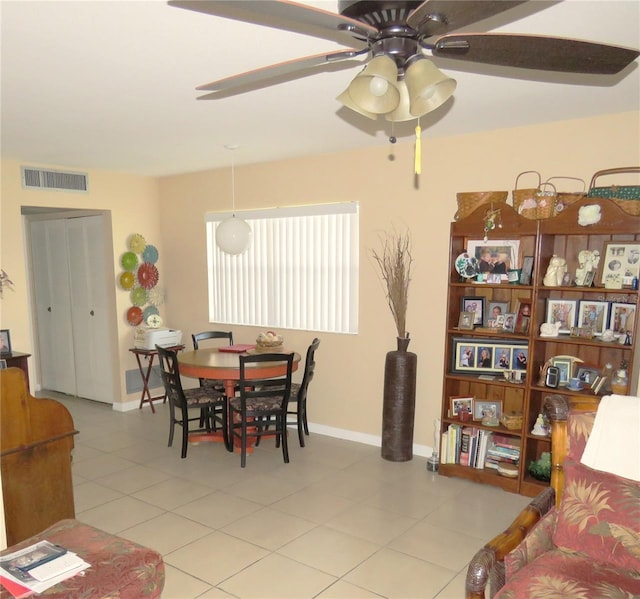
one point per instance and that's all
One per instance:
(394, 263)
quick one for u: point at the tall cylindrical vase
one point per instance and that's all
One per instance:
(399, 402)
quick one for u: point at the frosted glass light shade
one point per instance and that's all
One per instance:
(233, 235)
(368, 91)
(428, 86)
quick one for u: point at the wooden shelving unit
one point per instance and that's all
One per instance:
(563, 236)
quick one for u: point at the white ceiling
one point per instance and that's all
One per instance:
(110, 85)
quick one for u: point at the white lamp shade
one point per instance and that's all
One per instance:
(402, 112)
(428, 86)
(374, 88)
(233, 235)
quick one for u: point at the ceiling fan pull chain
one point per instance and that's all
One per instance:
(418, 152)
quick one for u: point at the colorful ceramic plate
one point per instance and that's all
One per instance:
(134, 316)
(127, 280)
(129, 261)
(148, 275)
(156, 296)
(467, 266)
(137, 243)
(150, 254)
(139, 296)
(148, 311)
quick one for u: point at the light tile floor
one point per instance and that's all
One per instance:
(337, 522)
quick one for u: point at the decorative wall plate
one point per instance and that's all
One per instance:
(127, 280)
(137, 243)
(148, 275)
(134, 316)
(467, 266)
(139, 296)
(150, 311)
(156, 296)
(154, 321)
(150, 254)
(129, 261)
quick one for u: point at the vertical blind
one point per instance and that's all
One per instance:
(300, 271)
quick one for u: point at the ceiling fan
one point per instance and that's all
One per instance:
(394, 39)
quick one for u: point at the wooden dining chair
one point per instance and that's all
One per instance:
(206, 400)
(299, 394)
(261, 407)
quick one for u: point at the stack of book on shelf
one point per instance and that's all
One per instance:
(503, 450)
(465, 445)
(37, 568)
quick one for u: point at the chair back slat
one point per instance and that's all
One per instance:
(204, 335)
(170, 374)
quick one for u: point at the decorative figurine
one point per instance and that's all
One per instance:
(490, 418)
(549, 329)
(539, 428)
(555, 272)
(588, 261)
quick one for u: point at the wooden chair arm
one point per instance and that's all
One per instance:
(488, 563)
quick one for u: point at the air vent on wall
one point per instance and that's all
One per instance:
(37, 178)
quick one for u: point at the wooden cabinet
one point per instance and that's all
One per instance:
(564, 237)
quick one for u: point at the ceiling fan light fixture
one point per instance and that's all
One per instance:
(428, 86)
(346, 101)
(374, 88)
(402, 112)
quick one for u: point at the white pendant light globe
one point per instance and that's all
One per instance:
(233, 235)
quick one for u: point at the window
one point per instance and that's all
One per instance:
(300, 271)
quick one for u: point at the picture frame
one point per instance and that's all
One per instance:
(622, 317)
(598, 385)
(482, 408)
(5, 341)
(589, 278)
(466, 319)
(480, 356)
(3, 364)
(587, 374)
(593, 314)
(562, 311)
(509, 325)
(495, 256)
(581, 332)
(495, 309)
(527, 270)
(502, 357)
(474, 304)
(523, 317)
(565, 369)
(620, 260)
(460, 403)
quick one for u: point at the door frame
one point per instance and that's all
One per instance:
(41, 213)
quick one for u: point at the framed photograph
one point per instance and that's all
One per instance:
(5, 341)
(495, 257)
(593, 314)
(562, 311)
(527, 270)
(460, 404)
(622, 317)
(495, 309)
(587, 374)
(565, 369)
(599, 384)
(523, 317)
(502, 357)
(589, 278)
(482, 409)
(483, 356)
(582, 332)
(509, 325)
(3, 364)
(476, 305)
(466, 320)
(620, 260)
(494, 278)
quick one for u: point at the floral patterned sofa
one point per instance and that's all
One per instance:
(579, 538)
(120, 569)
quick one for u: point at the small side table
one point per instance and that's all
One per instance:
(18, 360)
(149, 355)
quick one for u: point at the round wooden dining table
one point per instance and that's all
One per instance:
(211, 363)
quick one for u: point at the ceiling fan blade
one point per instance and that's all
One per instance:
(290, 16)
(283, 71)
(437, 17)
(536, 52)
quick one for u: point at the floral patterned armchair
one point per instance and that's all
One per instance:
(579, 538)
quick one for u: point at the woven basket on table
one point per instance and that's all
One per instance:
(468, 201)
(626, 197)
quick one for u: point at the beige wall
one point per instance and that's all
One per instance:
(133, 204)
(347, 390)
